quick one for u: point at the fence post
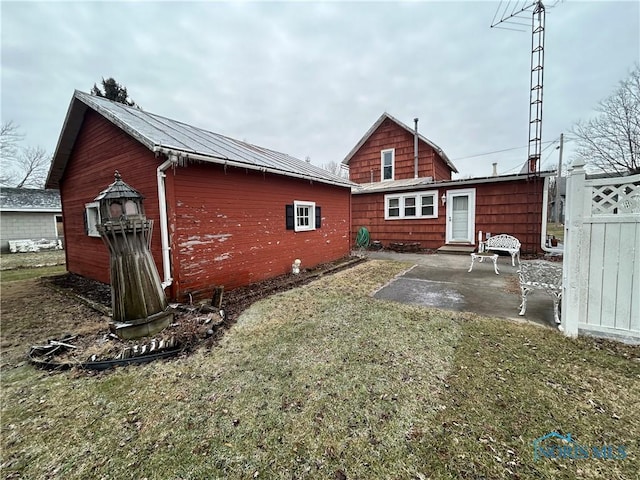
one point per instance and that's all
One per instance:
(573, 308)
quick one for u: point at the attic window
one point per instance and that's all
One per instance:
(387, 159)
(92, 219)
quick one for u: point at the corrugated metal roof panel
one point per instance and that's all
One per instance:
(157, 132)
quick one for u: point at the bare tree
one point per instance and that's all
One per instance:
(336, 168)
(611, 140)
(9, 139)
(21, 166)
(33, 166)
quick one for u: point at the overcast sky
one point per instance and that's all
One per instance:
(310, 78)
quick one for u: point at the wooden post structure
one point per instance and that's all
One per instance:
(138, 302)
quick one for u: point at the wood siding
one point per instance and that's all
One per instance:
(230, 226)
(513, 207)
(99, 150)
(390, 135)
(227, 227)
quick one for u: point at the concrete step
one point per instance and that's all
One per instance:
(457, 249)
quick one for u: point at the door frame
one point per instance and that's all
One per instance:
(471, 220)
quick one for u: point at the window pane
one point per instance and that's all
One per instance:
(387, 158)
(386, 173)
(394, 202)
(394, 212)
(410, 202)
(427, 205)
(302, 216)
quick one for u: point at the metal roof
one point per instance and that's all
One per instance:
(29, 199)
(375, 126)
(426, 182)
(161, 134)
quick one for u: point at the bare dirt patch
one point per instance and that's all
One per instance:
(74, 310)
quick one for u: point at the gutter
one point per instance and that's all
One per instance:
(164, 221)
(543, 230)
(232, 163)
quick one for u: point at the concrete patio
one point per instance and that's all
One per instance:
(443, 281)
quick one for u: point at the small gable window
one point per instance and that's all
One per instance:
(92, 219)
(387, 161)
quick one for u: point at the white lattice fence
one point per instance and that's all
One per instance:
(601, 274)
(613, 199)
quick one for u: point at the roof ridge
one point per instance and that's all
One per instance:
(160, 133)
(379, 122)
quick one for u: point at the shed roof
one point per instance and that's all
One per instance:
(161, 134)
(29, 200)
(392, 186)
(375, 126)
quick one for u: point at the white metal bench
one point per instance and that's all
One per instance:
(505, 243)
(541, 275)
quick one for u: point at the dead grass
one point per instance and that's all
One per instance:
(324, 381)
(511, 384)
(11, 261)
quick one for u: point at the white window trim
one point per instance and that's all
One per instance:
(55, 223)
(92, 230)
(393, 164)
(312, 216)
(418, 196)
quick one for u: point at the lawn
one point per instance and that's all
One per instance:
(324, 381)
(49, 258)
(557, 230)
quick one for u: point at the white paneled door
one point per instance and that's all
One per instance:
(461, 210)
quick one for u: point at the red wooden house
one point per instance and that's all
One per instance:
(405, 194)
(225, 212)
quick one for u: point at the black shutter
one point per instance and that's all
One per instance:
(289, 217)
(86, 222)
(318, 217)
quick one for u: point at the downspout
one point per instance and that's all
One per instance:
(164, 222)
(543, 230)
(415, 148)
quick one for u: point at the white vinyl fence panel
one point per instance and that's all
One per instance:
(601, 271)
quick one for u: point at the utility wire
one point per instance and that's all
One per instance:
(520, 163)
(496, 151)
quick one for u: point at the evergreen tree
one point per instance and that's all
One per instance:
(112, 90)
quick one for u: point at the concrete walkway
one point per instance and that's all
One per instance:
(443, 281)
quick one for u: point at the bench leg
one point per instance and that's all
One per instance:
(473, 259)
(513, 259)
(556, 303)
(495, 265)
(523, 305)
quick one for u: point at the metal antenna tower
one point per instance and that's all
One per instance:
(506, 16)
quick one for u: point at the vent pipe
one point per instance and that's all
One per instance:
(415, 149)
(495, 169)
